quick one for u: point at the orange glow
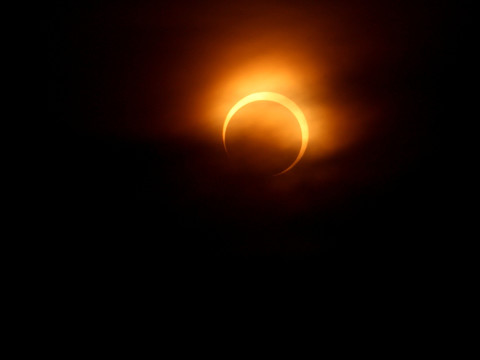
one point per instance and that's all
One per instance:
(289, 67)
(307, 57)
(282, 100)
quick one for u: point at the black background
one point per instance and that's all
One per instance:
(129, 199)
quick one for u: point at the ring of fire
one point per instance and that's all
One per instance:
(279, 99)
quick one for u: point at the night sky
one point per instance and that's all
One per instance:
(139, 91)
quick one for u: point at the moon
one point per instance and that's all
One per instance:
(279, 99)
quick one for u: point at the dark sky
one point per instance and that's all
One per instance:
(138, 169)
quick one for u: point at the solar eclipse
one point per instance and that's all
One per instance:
(282, 100)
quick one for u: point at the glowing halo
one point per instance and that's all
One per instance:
(282, 100)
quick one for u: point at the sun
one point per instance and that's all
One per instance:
(279, 99)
